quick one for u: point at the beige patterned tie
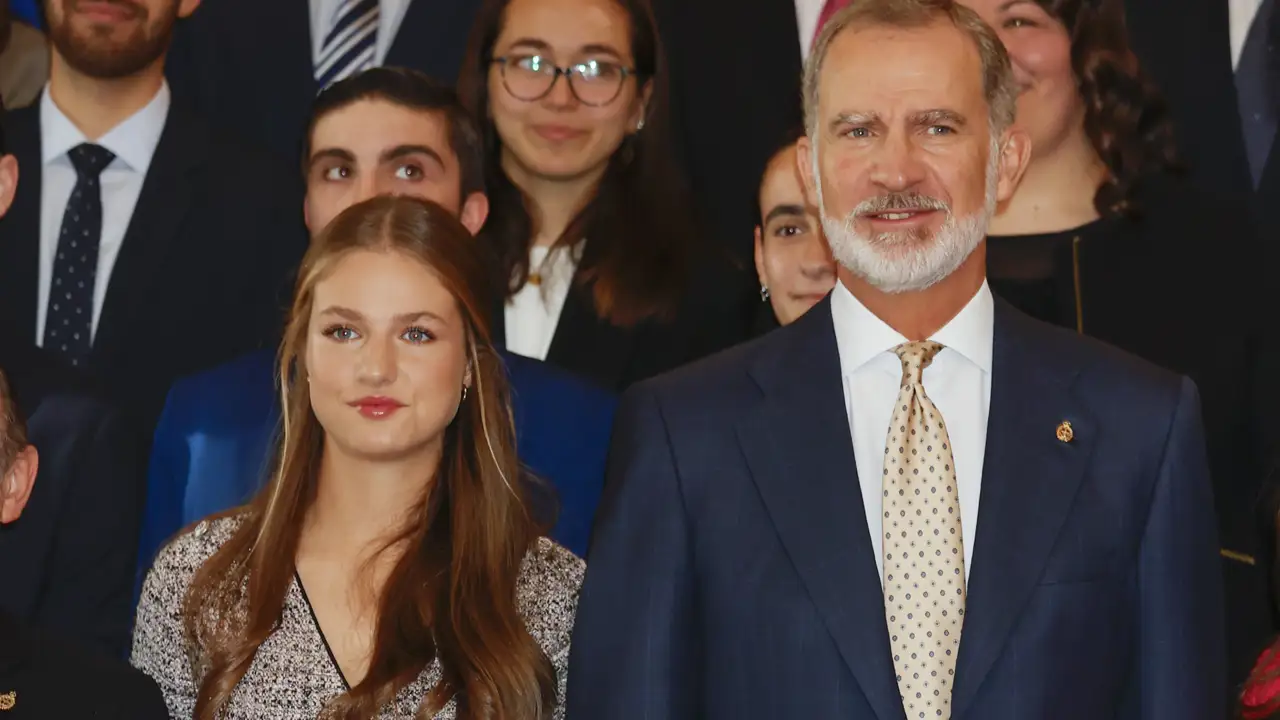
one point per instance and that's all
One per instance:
(924, 587)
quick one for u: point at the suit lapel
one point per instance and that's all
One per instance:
(20, 229)
(800, 453)
(588, 346)
(1029, 482)
(153, 231)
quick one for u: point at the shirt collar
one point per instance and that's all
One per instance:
(860, 335)
(133, 141)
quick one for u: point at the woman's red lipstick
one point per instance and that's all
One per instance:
(376, 407)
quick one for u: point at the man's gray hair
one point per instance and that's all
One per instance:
(997, 74)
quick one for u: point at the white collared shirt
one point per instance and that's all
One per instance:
(958, 381)
(533, 313)
(1242, 14)
(807, 14)
(390, 15)
(134, 143)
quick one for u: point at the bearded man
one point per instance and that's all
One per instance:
(141, 245)
(913, 501)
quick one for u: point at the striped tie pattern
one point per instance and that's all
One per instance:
(351, 42)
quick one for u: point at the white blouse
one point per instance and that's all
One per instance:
(533, 313)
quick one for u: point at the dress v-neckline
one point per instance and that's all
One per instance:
(315, 622)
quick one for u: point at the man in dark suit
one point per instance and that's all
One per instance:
(254, 68)
(68, 561)
(141, 246)
(213, 445)
(36, 669)
(913, 501)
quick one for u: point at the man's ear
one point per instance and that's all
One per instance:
(17, 483)
(759, 253)
(187, 7)
(475, 210)
(8, 182)
(1015, 155)
(804, 163)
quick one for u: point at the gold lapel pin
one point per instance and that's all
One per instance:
(1065, 433)
(8, 700)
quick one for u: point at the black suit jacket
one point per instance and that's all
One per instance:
(731, 574)
(201, 275)
(43, 678)
(247, 64)
(68, 560)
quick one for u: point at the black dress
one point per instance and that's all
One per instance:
(1175, 286)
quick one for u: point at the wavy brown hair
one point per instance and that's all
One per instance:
(639, 220)
(1125, 117)
(452, 593)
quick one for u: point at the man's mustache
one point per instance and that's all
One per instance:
(900, 202)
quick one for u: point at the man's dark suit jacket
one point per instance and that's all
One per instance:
(732, 576)
(68, 560)
(43, 678)
(247, 65)
(214, 442)
(202, 272)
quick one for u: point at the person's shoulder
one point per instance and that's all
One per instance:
(1094, 364)
(547, 593)
(224, 155)
(531, 375)
(182, 556)
(116, 689)
(254, 370)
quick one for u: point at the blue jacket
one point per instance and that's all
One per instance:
(215, 442)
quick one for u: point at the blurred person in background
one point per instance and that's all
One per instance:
(24, 60)
(793, 262)
(1106, 237)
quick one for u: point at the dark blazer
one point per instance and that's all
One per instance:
(68, 560)
(732, 576)
(200, 278)
(43, 678)
(247, 65)
(214, 443)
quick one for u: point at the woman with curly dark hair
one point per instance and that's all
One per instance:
(1104, 237)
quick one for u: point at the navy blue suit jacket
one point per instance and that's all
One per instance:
(214, 444)
(732, 576)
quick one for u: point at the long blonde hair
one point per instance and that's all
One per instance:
(452, 594)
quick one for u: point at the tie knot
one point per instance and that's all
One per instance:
(915, 357)
(90, 160)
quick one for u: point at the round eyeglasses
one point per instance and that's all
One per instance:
(592, 82)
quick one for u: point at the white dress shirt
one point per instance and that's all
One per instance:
(134, 143)
(1242, 14)
(390, 15)
(807, 13)
(958, 381)
(533, 313)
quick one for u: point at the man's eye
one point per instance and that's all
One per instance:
(408, 172)
(337, 172)
(858, 132)
(941, 130)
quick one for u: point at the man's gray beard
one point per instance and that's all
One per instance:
(906, 261)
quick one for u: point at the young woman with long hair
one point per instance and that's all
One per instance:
(600, 268)
(391, 568)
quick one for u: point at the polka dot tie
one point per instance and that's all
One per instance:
(924, 586)
(68, 322)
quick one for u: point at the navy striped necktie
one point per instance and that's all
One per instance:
(351, 43)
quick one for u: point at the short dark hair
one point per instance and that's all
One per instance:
(13, 428)
(412, 90)
(789, 138)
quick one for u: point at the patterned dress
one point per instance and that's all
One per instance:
(293, 674)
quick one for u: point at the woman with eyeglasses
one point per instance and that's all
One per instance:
(588, 221)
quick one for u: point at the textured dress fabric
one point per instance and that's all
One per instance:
(293, 676)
